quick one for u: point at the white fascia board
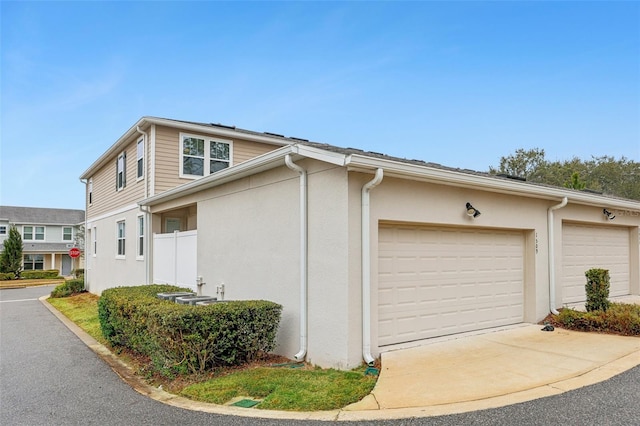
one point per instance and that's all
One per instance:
(220, 131)
(454, 178)
(259, 164)
(321, 155)
(192, 127)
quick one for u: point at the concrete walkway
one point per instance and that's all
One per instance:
(494, 369)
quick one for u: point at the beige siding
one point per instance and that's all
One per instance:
(105, 196)
(168, 156)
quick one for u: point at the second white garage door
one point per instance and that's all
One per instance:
(439, 281)
(587, 246)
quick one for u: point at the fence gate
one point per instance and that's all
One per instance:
(175, 259)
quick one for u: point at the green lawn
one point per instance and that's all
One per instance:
(279, 388)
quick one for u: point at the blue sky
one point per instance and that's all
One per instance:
(456, 83)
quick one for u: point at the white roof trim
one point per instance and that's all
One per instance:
(455, 178)
(192, 127)
(392, 168)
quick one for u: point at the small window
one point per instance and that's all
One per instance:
(121, 168)
(140, 157)
(121, 238)
(94, 240)
(90, 191)
(27, 233)
(33, 262)
(140, 236)
(3, 230)
(201, 156)
(39, 233)
(67, 233)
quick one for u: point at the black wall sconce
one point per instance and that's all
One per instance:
(608, 214)
(472, 211)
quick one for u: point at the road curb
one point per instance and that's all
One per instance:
(357, 412)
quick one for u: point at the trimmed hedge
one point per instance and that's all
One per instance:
(32, 275)
(68, 288)
(619, 318)
(37, 275)
(184, 338)
(597, 289)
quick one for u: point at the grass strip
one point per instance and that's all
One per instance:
(82, 309)
(309, 389)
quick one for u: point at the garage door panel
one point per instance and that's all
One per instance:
(438, 281)
(587, 246)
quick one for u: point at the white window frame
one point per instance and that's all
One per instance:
(35, 258)
(70, 233)
(140, 149)
(208, 140)
(140, 237)
(121, 169)
(94, 240)
(121, 239)
(3, 229)
(34, 233)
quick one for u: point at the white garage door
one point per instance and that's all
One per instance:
(585, 247)
(438, 281)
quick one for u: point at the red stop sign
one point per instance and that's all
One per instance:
(74, 252)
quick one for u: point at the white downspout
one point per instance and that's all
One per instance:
(552, 261)
(300, 356)
(145, 210)
(366, 266)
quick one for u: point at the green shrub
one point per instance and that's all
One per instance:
(183, 338)
(597, 289)
(6, 276)
(68, 288)
(619, 318)
(78, 273)
(38, 275)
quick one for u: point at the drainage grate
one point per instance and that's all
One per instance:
(246, 403)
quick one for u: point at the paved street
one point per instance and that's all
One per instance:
(49, 377)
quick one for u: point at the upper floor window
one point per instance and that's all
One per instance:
(33, 233)
(3, 230)
(140, 158)
(200, 155)
(90, 191)
(121, 171)
(67, 233)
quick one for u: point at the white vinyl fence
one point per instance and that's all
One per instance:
(175, 259)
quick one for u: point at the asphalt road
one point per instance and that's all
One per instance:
(49, 377)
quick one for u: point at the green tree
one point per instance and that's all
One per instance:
(611, 176)
(575, 182)
(524, 163)
(11, 256)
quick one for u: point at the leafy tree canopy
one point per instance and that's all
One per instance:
(606, 174)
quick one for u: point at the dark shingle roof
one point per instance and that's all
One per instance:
(41, 216)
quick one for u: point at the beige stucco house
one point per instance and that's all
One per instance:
(365, 252)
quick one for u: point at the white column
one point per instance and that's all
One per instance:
(53, 261)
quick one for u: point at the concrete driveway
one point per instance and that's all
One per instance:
(498, 368)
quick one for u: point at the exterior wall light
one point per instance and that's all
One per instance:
(472, 211)
(608, 214)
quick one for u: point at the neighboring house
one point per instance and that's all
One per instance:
(47, 235)
(365, 252)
